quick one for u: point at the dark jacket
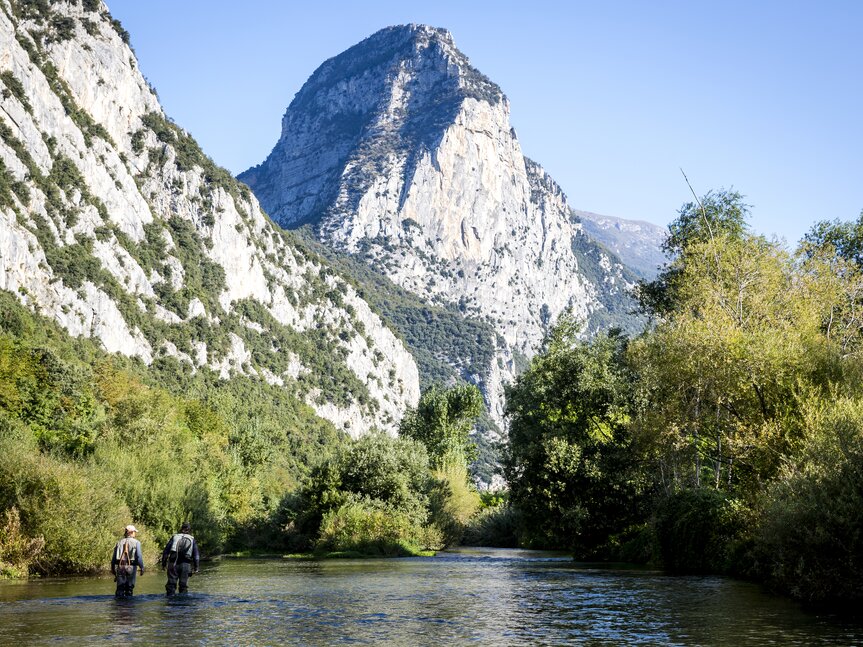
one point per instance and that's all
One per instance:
(181, 549)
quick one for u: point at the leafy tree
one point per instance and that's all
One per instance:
(810, 540)
(442, 422)
(845, 239)
(723, 378)
(376, 469)
(570, 459)
(716, 215)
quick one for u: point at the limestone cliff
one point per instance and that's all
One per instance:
(399, 150)
(113, 222)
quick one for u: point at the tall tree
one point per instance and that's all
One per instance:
(726, 373)
(716, 215)
(570, 460)
(442, 422)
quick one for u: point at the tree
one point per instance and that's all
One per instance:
(716, 214)
(442, 422)
(366, 480)
(845, 239)
(570, 460)
(724, 376)
(698, 224)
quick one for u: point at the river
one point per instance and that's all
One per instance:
(482, 596)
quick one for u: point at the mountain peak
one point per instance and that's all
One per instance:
(400, 151)
(412, 46)
(397, 90)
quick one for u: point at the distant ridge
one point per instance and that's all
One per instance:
(637, 243)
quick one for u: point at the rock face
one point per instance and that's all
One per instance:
(113, 222)
(637, 243)
(398, 149)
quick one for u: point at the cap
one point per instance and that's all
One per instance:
(131, 528)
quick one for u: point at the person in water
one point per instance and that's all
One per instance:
(181, 558)
(126, 561)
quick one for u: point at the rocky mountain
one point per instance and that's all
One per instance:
(637, 243)
(116, 225)
(400, 152)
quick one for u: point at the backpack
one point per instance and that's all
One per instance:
(126, 557)
(181, 546)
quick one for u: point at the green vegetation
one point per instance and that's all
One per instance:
(89, 442)
(442, 421)
(727, 438)
(370, 497)
(15, 88)
(445, 343)
(384, 496)
(570, 460)
(448, 346)
(188, 154)
(118, 27)
(6, 191)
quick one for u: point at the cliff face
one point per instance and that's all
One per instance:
(113, 222)
(399, 150)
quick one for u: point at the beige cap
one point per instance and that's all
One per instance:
(131, 528)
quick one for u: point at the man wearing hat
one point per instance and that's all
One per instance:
(180, 558)
(126, 560)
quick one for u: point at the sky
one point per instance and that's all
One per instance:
(613, 98)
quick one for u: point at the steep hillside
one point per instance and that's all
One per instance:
(400, 152)
(115, 224)
(637, 243)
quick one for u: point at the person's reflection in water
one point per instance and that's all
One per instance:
(123, 615)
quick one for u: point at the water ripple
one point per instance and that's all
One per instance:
(488, 597)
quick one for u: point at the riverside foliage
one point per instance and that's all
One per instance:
(727, 438)
(90, 442)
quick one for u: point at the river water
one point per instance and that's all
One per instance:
(482, 596)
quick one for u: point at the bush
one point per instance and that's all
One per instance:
(496, 526)
(454, 501)
(699, 531)
(371, 527)
(72, 505)
(17, 550)
(810, 542)
(636, 544)
(377, 471)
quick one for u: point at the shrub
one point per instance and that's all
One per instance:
(17, 550)
(372, 527)
(16, 88)
(495, 526)
(454, 501)
(72, 505)
(375, 469)
(810, 542)
(699, 531)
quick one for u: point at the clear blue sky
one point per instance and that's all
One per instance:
(613, 98)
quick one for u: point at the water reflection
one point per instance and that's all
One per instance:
(484, 597)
